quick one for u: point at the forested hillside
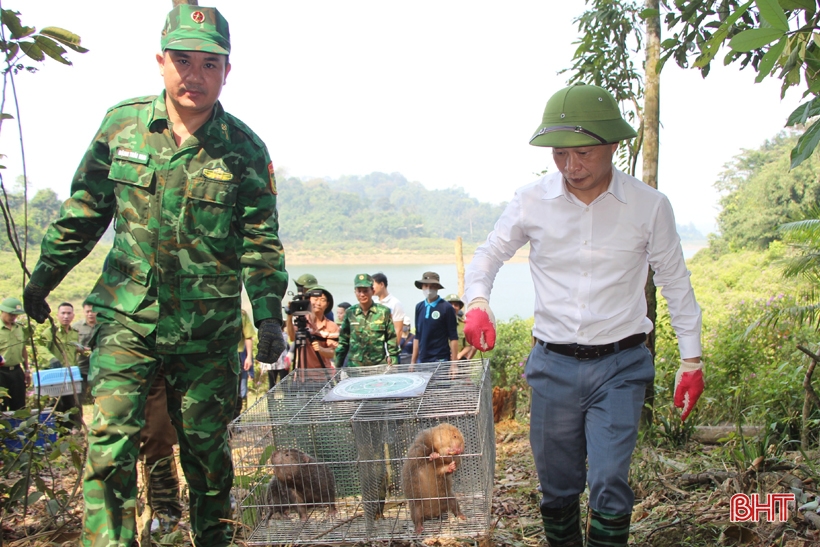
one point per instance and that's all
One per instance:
(759, 193)
(379, 208)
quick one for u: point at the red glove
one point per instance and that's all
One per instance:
(688, 386)
(479, 325)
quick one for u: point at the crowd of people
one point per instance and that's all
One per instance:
(191, 193)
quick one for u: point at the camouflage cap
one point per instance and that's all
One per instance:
(194, 28)
(12, 306)
(363, 280)
(307, 280)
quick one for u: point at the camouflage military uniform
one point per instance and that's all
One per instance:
(12, 375)
(188, 221)
(363, 337)
(66, 339)
(85, 331)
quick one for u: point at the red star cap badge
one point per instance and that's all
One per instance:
(198, 16)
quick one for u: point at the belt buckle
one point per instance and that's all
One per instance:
(584, 353)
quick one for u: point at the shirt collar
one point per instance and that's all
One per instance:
(554, 187)
(216, 126)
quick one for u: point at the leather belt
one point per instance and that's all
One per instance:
(585, 353)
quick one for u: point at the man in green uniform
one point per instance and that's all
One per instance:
(14, 373)
(465, 350)
(367, 333)
(193, 197)
(64, 345)
(85, 327)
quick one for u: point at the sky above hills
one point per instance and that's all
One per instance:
(446, 93)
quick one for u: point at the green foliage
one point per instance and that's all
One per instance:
(30, 457)
(610, 33)
(43, 208)
(508, 358)
(22, 41)
(752, 376)
(759, 193)
(776, 38)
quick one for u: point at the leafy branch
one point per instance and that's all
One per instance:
(777, 38)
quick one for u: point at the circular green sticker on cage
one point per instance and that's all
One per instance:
(383, 386)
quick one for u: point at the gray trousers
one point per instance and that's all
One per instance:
(585, 414)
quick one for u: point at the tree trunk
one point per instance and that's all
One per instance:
(176, 3)
(649, 171)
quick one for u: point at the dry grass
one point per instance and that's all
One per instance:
(670, 510)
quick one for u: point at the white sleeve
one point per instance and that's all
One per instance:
(506, 238)
(666, 258)
(398, 312)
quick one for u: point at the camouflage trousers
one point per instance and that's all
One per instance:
(202, 390)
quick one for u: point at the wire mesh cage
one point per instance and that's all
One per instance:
(309, 471)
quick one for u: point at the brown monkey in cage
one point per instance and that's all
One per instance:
(427, 473)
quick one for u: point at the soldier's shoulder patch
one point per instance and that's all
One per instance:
(272, 179)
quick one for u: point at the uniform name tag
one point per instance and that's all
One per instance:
(131, 155)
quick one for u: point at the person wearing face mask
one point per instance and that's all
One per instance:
(436, 325)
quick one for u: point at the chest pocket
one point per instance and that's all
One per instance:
(135, 185)
(209, 207)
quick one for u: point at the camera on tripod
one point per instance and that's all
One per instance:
(299, 305)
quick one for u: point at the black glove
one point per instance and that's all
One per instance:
(34, 302)
(271, 342)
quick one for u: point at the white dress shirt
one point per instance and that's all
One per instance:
(396, 309)
(589, 262)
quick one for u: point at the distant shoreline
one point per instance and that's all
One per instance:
(399, 257)
(391, 257)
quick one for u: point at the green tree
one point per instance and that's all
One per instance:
(759, 193)
(776, 38)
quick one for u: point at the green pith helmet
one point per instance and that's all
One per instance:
(194, 28)
(454, 298)
(12, 306)
(581, 115)
(307, 281)
(318, 290)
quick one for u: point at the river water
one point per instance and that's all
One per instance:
(513, 293)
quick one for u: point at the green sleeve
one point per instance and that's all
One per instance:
(263, 258)
(344, 341)
(393, 349)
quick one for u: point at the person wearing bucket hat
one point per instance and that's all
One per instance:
(14, 371)
(436, 325)
(192, 195)
(367, 335)
(594, 232)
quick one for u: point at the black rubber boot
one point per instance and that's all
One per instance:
(163, 493)
(562, 526)
(607, 530)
